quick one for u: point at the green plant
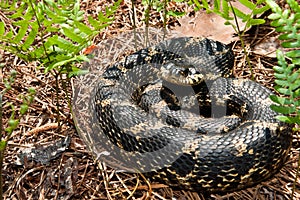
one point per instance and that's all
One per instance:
(287, 73)
(52, 32)
(288, 85)
(159, 6)
(14, 119)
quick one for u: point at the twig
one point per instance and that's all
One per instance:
(241, 34)
(2, 149)
(295, 181)
(42, 128)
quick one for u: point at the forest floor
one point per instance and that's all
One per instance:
(67, 169)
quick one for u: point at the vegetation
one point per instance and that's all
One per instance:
(52, 33)
(287, 74)
(14, 119)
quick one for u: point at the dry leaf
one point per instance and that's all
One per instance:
(267, 47)
(210, 25)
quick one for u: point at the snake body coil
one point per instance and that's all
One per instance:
(175, 107)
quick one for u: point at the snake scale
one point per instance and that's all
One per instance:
(184, 121)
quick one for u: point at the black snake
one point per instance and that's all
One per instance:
(185, 121)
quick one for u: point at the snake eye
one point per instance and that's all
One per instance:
(192, 71)
(185, 72)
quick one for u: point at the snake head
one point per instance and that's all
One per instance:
(185, 75)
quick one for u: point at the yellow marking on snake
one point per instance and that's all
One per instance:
(105, 102)
(241, 147)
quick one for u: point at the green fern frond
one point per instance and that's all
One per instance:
(287, 22)
(287, 74)
(50, 31)
(288, 85)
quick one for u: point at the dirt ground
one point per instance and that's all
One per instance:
(67, 170)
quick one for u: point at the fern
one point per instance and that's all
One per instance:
(287, 22)
(288, 85)
(53, 33)
(287, 74)
(50, 31)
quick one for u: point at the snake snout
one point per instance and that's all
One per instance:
(181, 75)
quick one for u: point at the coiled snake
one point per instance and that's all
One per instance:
(183, 120)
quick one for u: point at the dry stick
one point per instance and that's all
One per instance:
(295, 181)
(135, 188)
(103, 171)
(21, 177)
(134, 23)
(84, 175)
(59, 177)
(165, 19)
(64, 83)
(57, 98)
(1, 125)
(42, 128)
(148, 184)
(131, 193)
(3, 145)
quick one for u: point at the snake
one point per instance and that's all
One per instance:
(185, 121)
